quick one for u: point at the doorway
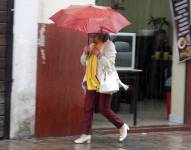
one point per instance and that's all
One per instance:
(153, 29)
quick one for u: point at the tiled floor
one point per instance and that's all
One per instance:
(149, 113)
(138, 141)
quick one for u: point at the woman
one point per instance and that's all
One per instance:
(99, 57)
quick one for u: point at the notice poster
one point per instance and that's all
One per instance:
(181, 18)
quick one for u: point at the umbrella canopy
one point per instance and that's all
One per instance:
(90, 19)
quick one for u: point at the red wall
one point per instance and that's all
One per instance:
(188, 93)
(59, 93)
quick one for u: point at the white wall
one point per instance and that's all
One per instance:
(23, 97)
(24, 68)
(48, 7)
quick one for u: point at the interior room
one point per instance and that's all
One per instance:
(149, 41)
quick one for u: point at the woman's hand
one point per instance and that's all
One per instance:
(89, 49)
(95, 51)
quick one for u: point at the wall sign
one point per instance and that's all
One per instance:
(181, 18)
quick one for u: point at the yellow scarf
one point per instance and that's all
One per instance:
(91, 70)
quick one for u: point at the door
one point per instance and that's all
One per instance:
(3, 48)
(59, 76)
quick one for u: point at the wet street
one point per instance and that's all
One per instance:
(135, 141)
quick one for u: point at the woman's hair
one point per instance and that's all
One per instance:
(103, 36)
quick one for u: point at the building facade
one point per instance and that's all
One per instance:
(23, 100)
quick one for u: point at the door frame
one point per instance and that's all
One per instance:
(8, 68)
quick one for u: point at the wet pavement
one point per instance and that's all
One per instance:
(135, 141)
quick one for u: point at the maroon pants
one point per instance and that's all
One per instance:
(104, 101)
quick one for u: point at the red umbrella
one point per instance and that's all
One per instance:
(90, 19)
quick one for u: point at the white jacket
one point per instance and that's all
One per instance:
(106, 62)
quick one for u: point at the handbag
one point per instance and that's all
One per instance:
(108, 83)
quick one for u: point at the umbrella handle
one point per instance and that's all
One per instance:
(101, 29)
(88, 39)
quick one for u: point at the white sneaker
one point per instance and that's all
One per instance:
(123, 132)
(83, 139)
